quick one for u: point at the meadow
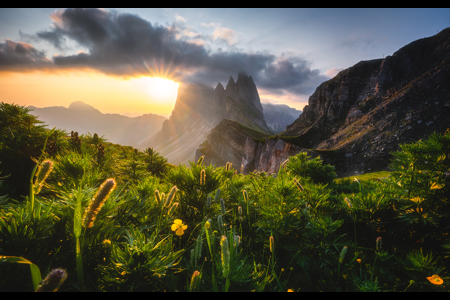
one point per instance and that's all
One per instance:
(80, 214)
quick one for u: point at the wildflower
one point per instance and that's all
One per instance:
(271, 243)
(107, 242)
(436, 186)
(222, 206)
(348, 202)
(245, 196)
(53, 281)
(157, 197)
(435, 279)
(178, 227)
(378, 243)
(194, 280)
(198, 247)
(97, 202)
(342, 255)
(207, 224)
(208, 202)
(202, 177)
(216, 197)
(237, 240)
(225, 256)
(344, 276)
(290, 290)
(172, 208)
(220, 223)
(359, 260)
(169, 199)
(44, 170)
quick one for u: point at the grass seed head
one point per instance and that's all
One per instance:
(97, 202)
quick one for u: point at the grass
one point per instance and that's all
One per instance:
(366, 176)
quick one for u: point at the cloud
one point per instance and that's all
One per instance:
(333, 72)
(20, 54)
(290, 74)
(124, 44)
(226, 34)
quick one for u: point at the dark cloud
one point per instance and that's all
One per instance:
(21, 54)
(120, 44)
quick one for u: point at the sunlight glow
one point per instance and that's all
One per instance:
(159, 89)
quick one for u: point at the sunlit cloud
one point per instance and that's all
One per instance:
(125, 45)
(226, 34)
(333, 72)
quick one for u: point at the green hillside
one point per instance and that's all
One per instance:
(78, 213)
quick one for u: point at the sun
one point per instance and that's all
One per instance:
(162, 89)
(159, 89)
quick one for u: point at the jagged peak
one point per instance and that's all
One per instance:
(219, 87)
(242, 77)
(231, 81)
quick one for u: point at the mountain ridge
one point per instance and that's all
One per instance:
(84, 118)
(356, 119)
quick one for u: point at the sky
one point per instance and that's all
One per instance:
(133, 61)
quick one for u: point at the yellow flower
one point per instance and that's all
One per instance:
(207, 225)
(178, 227)
(435, 186)
(290, 290)
(358, 260)
(435, 279)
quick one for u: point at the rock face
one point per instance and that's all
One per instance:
(226, 142)
(240, 102)
(198, 109)
(266, 156)
(357, 118)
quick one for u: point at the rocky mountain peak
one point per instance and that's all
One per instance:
(219, 87)
(231, 83)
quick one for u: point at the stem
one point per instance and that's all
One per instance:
(77, 228)
(212, 260)
(79, 260)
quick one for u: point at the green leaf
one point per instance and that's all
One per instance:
(35, 272)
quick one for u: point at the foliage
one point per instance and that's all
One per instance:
(302, 165)
(207, 228)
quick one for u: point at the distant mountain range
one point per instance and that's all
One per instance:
(84, 118)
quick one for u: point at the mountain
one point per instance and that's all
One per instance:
(199, 108)
(225, 143)
(356, 119)
(279, 116)
(84, 118)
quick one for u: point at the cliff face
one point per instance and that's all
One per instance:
(240, 102)
(361, 115)
(226, 143)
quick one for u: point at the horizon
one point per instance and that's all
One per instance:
(134, 61)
